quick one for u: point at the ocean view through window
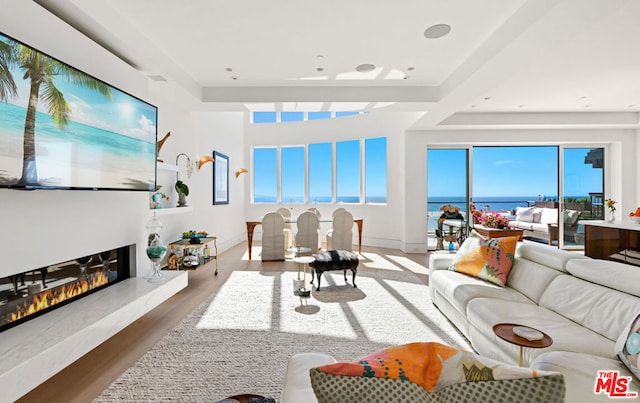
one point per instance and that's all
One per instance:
(279, 172)
(503, 178)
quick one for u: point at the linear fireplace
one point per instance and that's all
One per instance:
(24, 296)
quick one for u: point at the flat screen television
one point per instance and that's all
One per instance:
(61, 128)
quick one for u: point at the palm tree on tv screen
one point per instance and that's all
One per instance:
(40, 70)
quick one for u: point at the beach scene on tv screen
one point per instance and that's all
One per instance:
(62, 128)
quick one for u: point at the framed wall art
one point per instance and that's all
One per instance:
(220, 178)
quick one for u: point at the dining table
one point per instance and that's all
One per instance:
(252, 224)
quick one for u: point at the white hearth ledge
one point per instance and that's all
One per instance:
(38, 349)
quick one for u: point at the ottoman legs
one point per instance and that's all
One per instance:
(319, 275)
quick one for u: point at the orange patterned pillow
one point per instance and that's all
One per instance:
(489, 259)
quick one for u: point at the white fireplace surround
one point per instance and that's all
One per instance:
(34, 351)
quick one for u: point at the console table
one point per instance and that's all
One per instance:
(619, 241)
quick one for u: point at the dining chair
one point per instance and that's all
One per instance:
(308, 235)
(340, 237)
(272, 237)
(288, 232)
(336, 211)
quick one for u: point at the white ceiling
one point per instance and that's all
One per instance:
(501, 56)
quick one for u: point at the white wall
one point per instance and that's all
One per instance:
(382, 223)
(43, 227)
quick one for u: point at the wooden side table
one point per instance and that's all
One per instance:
(505, 332)
(210, 240)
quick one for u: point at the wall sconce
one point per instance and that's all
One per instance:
(240, 172)
(204, 160)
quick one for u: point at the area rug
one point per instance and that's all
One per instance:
(239, 340)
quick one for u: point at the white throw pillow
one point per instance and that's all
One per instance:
(524, 214)
(549, 216)
(628, 346)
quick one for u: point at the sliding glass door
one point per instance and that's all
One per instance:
(583, 190)
(447, 183)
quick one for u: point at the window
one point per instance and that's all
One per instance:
(375, 170)
(318, 115)
(348, 171)
(320, 173)
(292, 176)
(342, 114)
(264, 117)
(291, 116)
(265, 175)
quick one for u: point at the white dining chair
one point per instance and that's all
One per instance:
(336, 211)
(272, 237)
(340, 237)
(308, 235)
(288, 231)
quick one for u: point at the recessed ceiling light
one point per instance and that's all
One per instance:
(521, 106)
(319, 69)
(365, 68)
(487, 98)
(411, 68)
(437, 31)
(229, 69)
(234, 77)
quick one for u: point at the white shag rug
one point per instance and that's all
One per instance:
(239, 340)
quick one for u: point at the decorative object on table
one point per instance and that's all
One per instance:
(183, 192)
(193, 236)
(611, 205)
(157, 197)
(156, 249)
(220, 178)
(494, 220)
(241, 171)
(161, 143)
(173, 261)
(635, 215)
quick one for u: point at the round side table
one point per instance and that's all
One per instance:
(304, 262)
(505, 332)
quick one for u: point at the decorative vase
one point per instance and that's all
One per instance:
(612, 217)
(157, 198)
(182, 200)
(156, 250)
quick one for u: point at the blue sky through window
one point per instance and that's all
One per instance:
(320, 172)
(375, 170)
(292, 174)
(348, 171)
(265, 174)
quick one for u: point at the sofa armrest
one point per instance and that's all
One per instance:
(440, 261)
(297, 383)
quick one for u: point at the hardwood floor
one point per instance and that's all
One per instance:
(86, 378)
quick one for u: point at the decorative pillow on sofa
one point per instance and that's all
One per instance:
(489, 259)
(421, 372)
(524, 214)
(628, 346)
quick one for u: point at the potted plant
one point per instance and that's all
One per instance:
(183, 192)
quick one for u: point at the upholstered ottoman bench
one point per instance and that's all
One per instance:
(335, 260)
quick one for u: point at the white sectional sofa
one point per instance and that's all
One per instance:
(583, 304)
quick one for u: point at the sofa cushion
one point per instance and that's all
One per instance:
(484, 313)
(542, 228)
(570, 217)
(524, 225)
(548, 215)
(489, 259)
(598, 308)
(628, 346)
(460, 289)
(546, 255)
(530, 278)
(393, 374)
(619, 276)
(524, 214)
(580, 373)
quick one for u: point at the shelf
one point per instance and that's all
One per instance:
(167, 167)
(171, 210)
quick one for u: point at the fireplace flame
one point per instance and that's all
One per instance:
(50, 297)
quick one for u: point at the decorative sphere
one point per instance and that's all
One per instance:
(633, 343)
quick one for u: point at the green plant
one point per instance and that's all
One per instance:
(182, 187)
